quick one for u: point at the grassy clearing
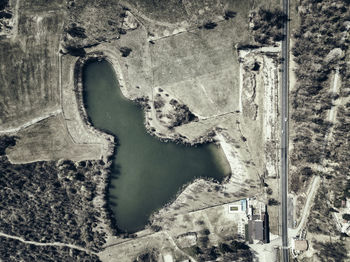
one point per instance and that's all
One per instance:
(199, 68)
(49, 140)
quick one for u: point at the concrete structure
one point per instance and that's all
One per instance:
(259, 230)
(266, 227)
(299, 245)
(244, 205)
(241, 228)
(258, 225)
(234, 208)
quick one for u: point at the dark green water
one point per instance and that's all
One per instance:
(147, 173)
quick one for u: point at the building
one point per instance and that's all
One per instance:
(258, 227)
(266, 227)
(259, 230)
(255, 231)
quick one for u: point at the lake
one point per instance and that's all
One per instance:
(146, 173)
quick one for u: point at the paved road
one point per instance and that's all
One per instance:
(284, 140)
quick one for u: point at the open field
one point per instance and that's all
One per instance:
(198, 12)
(202, 71)
(29, 66)
(49, 140)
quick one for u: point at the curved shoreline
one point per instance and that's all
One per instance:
(111, 140)
(100, 55)
(109, 223)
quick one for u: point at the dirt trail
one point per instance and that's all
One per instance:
(333, 112)
(31, 122)
(316, 182)
(136, 12)
(48, 244)
(312, 192)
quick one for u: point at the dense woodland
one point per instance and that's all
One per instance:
(321, 44)
(320, 144)
(267, 25)
(51, 201)
(14, 250)
(3, 4)
(230, 250)
(331, 252)
(321, 218)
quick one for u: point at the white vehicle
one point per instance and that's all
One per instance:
(285, 119)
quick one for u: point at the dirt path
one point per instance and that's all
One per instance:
(177, 248)
(177, 28)
(316, 182)
(333, 112)
(15, 23)
(136, 12)
(31, 122)
(312, 192)
(48, 244)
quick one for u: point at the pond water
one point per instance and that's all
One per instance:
(146, 173)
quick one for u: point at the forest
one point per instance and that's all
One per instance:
(320, 140)
(319, 49)
(51, 201)
(267, 25)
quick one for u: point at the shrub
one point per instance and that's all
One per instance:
(77, 31)
(346, 217)
(210, 25)
(273, 202)
(229, 14)
(125, 51)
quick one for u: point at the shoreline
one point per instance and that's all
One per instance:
(111, 225)
(101, 200)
